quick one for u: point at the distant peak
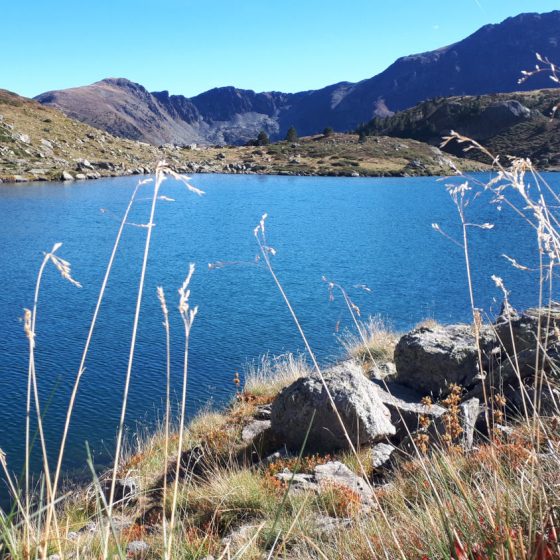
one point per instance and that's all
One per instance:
(120, 82)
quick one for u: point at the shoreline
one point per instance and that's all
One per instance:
(15, 180)
(19, 180)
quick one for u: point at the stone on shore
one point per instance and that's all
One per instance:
(305, 405)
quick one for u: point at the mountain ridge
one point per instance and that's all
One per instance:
(487, 61)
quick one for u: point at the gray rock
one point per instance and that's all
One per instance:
(406, 409)
(549, 399)
(137, 549)
(521, 334)
(299, 482)
(80, 176)
(327, 525)
(331, 473)
(430, 359)
(254, 429)
(126, 490)
(107, 165)
(382, 370)
(280, 454)
(118, 523)
(90, 528)
(305, 405)
(66, 176)
(524, 328)
(263, 412)
(239, 536)
(381, 455)
(335, 472)
(20, 179)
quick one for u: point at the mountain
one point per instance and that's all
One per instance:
(508, 124)
(488, 61)
(39, 143)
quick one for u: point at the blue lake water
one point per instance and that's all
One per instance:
(356, 231)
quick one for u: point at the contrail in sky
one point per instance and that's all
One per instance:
(480, 6)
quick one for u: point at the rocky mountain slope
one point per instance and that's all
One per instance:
(488, 61)
(41, 143)
(515, 124)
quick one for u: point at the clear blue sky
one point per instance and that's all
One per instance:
(188, 46)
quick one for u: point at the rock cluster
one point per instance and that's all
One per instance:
(343, 408)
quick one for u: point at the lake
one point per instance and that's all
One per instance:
(356, 231)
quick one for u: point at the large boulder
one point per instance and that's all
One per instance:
(527, 339)
(306, 403)
(520, 331)
(431, 359)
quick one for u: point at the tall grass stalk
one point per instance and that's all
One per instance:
(165, 312)
(30, 326)
(187, 315)
(158, 181)
(81, 367)
(266, 251)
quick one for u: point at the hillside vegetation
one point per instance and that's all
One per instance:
(39, 143)
(334, 155)
(511, 124)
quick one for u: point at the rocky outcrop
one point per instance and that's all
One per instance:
(524, 337)
(438, 361)
(431, 359)
(305, 405)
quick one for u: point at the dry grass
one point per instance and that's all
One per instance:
(377, 341)
(270, 375)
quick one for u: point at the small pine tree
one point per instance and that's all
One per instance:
(328, 131)
(263, 139)
(292, 135)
